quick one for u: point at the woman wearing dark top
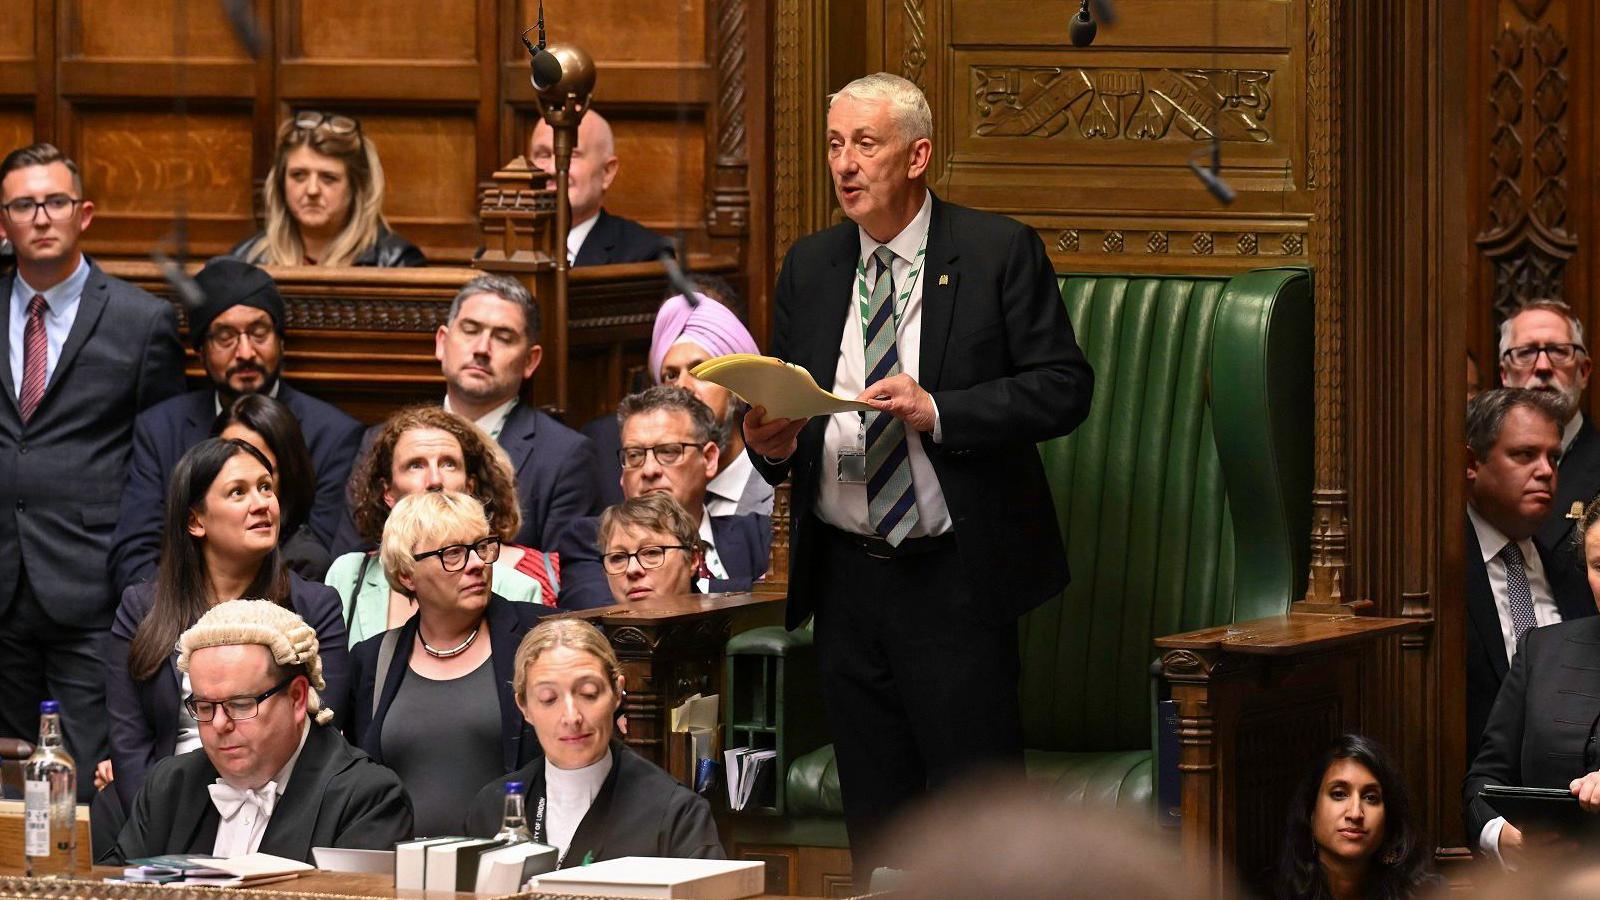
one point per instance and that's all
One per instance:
(600, 800)
(421, 688)
(219, 543)
(1351, 835)
(324, 199)
(270, 427)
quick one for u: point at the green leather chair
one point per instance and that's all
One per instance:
(1184, 502)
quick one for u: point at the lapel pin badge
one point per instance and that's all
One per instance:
(944, 279)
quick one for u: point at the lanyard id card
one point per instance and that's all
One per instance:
(853, 460)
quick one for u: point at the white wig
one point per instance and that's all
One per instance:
(285, 635)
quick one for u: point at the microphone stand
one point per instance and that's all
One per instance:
(563, 105)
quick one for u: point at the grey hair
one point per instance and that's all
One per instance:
(506, 288)
(1548, 304)
(1486, 414)
(671, 398)
(907, 106)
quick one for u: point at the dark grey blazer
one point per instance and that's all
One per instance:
(62, 474)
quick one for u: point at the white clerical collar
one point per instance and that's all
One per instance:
(905, 244)
(271, 392)
(493, 421)
(1490, 539)
(730, 482)
(577, 234)
(570, 788)
(1569, 432)
(282, 778)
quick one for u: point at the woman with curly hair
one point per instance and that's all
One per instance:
(1351, 833)
(324, 200)
(425, 448)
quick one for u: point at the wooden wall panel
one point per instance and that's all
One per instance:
(16, 126)
(16, 38)
(148, 30)
(409, 30)
(627, 30)
(428, 163)
(661, 180)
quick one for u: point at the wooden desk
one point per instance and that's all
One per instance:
(669, 650)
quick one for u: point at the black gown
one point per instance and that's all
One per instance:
(640, 811)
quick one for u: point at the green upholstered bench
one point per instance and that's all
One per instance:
(1184, 502)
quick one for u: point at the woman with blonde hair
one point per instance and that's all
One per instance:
(324, 200)
(588, 795)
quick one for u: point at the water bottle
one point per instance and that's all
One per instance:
(514, 826)
(50, 795)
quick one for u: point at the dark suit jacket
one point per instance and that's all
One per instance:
(554, 466)
(607, 436)
(1004, 368)
(389, 251)
(61, 475)
(1541, 732)
(508, 622)
(744, 544)
(144, 714)
(640, 811)
(165, 432)
(1486, 650)
(336, 797)
(618, 240)
(1578, 480)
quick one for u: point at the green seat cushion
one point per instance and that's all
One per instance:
(1120, 779)
(769, 640)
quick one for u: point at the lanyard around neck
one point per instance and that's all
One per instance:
(864, 296)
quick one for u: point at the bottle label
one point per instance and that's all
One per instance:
(36, 807)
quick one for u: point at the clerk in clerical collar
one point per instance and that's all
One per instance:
(588, 795)
(271, 774)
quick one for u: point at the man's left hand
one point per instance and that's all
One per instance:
(900, 396)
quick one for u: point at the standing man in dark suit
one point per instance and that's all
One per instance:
(921, 532)
(487, 348)
(1542, 348)
(238, 335)
(1513, 584)
(84, 352)
(596, 237)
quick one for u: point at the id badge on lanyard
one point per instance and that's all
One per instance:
(852, 460)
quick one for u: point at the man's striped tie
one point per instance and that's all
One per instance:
(891, 496)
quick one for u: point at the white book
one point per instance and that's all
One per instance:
(443, 869)
(657, 877)
(411, 861)
(504, 870)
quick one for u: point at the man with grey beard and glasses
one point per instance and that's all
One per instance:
(1542, 347)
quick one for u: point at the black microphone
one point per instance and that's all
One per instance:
(677, 279)
(244, 26)
(1212, 177)
(1082, 28)
(184, 288)
(545, 67)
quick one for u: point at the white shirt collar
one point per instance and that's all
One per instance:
(1569, 432)
(62, 298)
(493, 421)
(908, 241)
(730, 482)
(1490, 539)
(577, 234)
(216, 398)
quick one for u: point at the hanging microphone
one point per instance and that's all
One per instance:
(184, 288)
(545, 67)
(244, 26)
(678, 280)
(1212, 177)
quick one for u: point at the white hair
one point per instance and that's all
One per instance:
(907, 106)
(1560, 308)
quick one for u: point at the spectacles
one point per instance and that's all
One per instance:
(666, 454)
(1559, 354)
(235, 709)
(227, 338)
(649, 558)
(334, 123)
(23, 210)
(454, 557)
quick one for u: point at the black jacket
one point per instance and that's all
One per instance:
(554, 468)
(508, 622)
(617, 240)
(1577, 481)
(336, 797)
(999, 357)
(640, 811)
(389, 251)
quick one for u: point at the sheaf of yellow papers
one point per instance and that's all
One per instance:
(786, 390)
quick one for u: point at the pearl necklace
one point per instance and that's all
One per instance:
(457, 650)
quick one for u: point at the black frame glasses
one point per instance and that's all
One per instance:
(453, 558)
(226, 338)
(24, 210)
(335, 123)
(235, 708)
(1526, 357)
(616, 562)
(668, 454)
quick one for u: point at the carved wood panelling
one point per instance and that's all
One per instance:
(1129, 104)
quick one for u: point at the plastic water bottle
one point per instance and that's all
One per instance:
(514, 827)
(50, 795)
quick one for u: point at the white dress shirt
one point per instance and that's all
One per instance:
(723, 492)
(62, 302)
(844, 506)
(493, 421)
(713, 561)
(240, 833)
(568, 794)
(577, 234)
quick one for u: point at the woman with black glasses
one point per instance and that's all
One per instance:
(324, 200)
(420, 688)
(650, 548)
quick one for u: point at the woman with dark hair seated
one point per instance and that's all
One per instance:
(219, 543)
(650, 548)
(270, 427)
(588, 795)
(1351, 833)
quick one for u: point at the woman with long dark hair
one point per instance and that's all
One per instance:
(219, 543)
(270, 427)
(1351, 833)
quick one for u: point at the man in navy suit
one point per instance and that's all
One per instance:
(82, 353)
(238, 335)
(596, 237)
(669, 444)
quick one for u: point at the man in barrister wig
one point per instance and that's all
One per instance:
(271, 775)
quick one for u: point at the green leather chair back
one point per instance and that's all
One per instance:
(1184, 499)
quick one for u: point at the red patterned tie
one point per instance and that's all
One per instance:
(35, 358)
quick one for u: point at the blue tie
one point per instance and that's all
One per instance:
(1519, 597)
(891, 496)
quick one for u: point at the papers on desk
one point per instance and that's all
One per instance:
(694, 721)
(649, 876)
(240, 871)
(787, 391)
(750, 773)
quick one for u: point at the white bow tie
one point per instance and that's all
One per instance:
(229, 800)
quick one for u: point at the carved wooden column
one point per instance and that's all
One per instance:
(729, 203)
(515, 212)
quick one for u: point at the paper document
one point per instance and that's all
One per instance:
(785, 389)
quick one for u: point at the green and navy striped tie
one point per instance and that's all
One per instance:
(891, 496)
